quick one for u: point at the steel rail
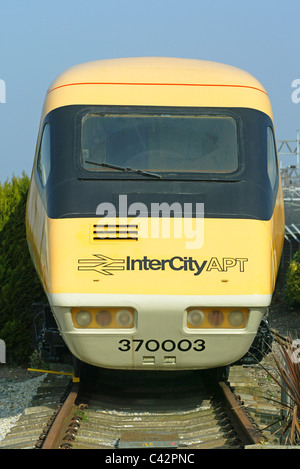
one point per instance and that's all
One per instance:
(61, 419)
(252, 434)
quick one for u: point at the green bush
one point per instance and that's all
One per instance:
(293, 281)
(19, 284)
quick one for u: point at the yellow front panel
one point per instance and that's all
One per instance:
(234, 259)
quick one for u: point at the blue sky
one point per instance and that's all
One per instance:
(41, 38)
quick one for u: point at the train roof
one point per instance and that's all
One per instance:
(157, 81)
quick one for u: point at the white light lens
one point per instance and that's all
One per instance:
(103, 318)
(236, 318)
(83, 318)
(195, 317)
(124, 318)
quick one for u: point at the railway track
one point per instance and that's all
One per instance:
(38, 417)
(117, 409)
(126, 410)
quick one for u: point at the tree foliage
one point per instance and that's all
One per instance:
(19, 284)
(293, 281)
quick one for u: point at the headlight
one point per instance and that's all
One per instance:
(195, 317)
(236, 318)
(83, 318)
(124, 317)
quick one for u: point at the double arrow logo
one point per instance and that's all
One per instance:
(101, 264)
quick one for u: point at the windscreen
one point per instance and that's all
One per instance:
(174, 143)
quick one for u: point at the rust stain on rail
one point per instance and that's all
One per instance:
(58, 424)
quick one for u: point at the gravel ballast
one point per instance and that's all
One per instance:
(16, 393)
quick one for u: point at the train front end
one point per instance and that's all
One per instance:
(155, 215)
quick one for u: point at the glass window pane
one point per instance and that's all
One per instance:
(44, 160)
(160, 142)
(272, 159)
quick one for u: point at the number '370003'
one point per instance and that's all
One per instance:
(168, 345)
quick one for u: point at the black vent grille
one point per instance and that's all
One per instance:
(115, 232)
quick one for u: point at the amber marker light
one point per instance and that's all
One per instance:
(103, 318)
(219, 318)
(216, 318)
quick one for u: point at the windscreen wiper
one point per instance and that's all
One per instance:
(122, 168)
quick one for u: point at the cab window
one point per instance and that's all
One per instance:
(271, 158)
(44, 161)
(160, 142)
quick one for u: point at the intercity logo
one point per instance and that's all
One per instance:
(2, 91)
(101, 264)
(108, 266)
